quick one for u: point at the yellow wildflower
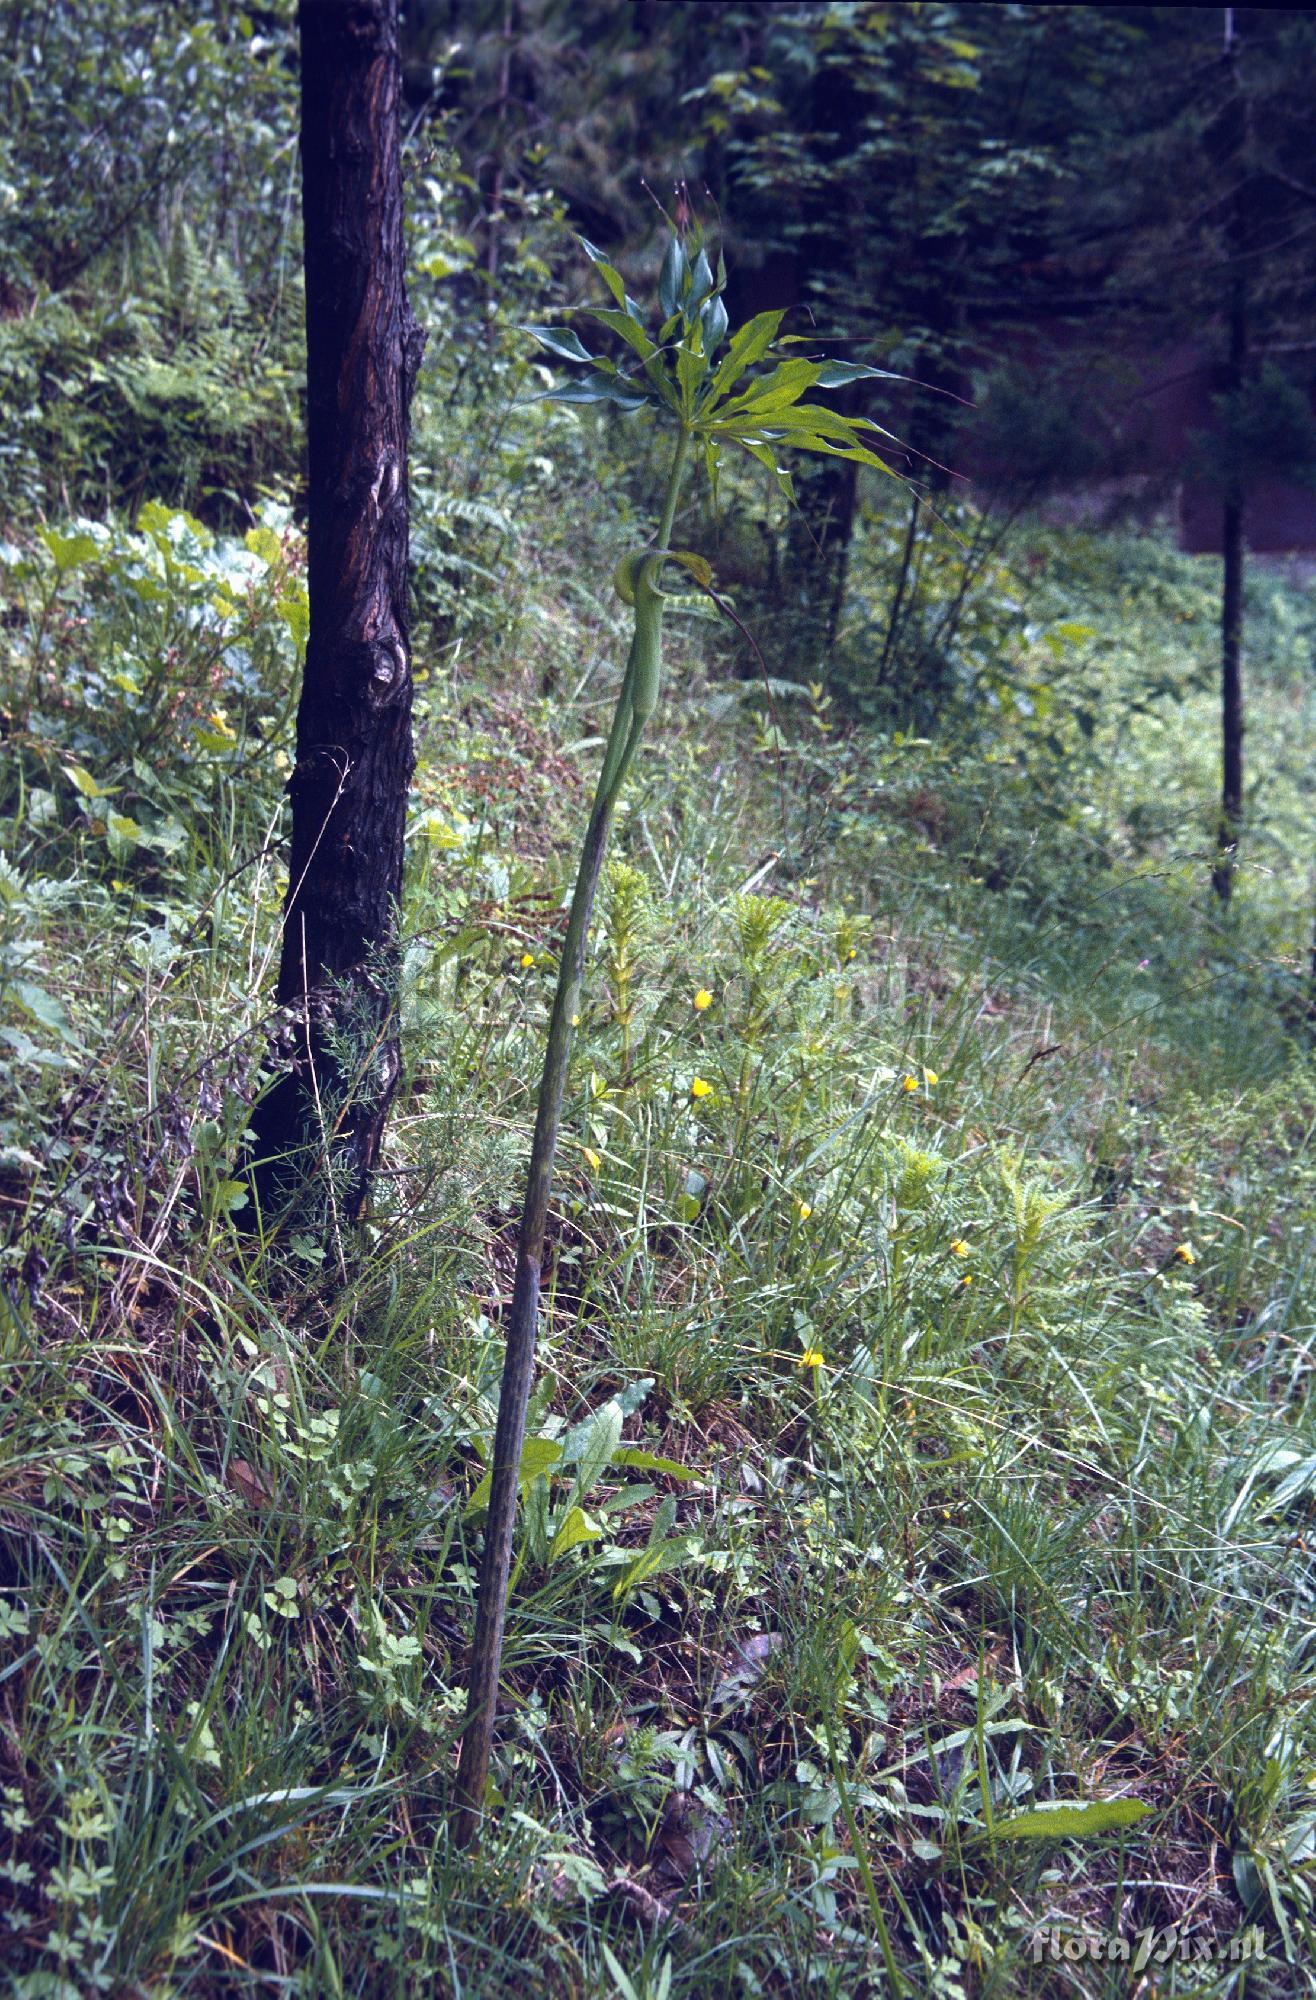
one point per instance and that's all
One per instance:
(811, 1358)
(959, 1248)
(803, 1210)
(703, 1000)
(910, 1083)
(592, 1157)
(967, 1279)
(698, 1088)
(575, 1020)
(527, 960)
(1186, 1254)
(931, 1079)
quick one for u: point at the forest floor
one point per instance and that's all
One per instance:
(913, 1592)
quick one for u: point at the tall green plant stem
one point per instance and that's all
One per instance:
(634, 704)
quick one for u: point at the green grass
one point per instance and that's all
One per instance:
(1034, 1532)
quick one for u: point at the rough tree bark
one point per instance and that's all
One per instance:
(354, 748)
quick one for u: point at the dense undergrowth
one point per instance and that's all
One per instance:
(924, 1432)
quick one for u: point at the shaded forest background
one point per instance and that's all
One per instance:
(925, 1430)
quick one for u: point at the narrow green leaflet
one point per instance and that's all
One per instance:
(599, 389)
(837, 374)
(803, 440)
(1072, 1821)
(784, 385)
(767, 457)
(655, 1561)
(748, 346)
(622, 323)
(649, 1461)
(610, 276)
(691, 368)
(827, 423)
(713, 324)
(560, 340)
(672, 280)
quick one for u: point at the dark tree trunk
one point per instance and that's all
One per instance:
(1231, 607)
(818, 537)
(354, 752)
(1231, 702)
(898, 595)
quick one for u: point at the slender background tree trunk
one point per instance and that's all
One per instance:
(1231, 607)
(354, 750)
(1231, 701)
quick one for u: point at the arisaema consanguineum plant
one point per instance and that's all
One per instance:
(712, 389)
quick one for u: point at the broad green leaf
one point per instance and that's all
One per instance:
(122, 829)
(575, 1529)
(263, 542)
(701, 282)
(86, 784)
(230, 1196)
(69, 551)
(295, 611)
(43, 1007)
(173, 526)
(749, 345)
(1072, 1821)
(560, 340)
(601, 1441)
(625, 1498)
(538, 1456)
(649, 1461)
